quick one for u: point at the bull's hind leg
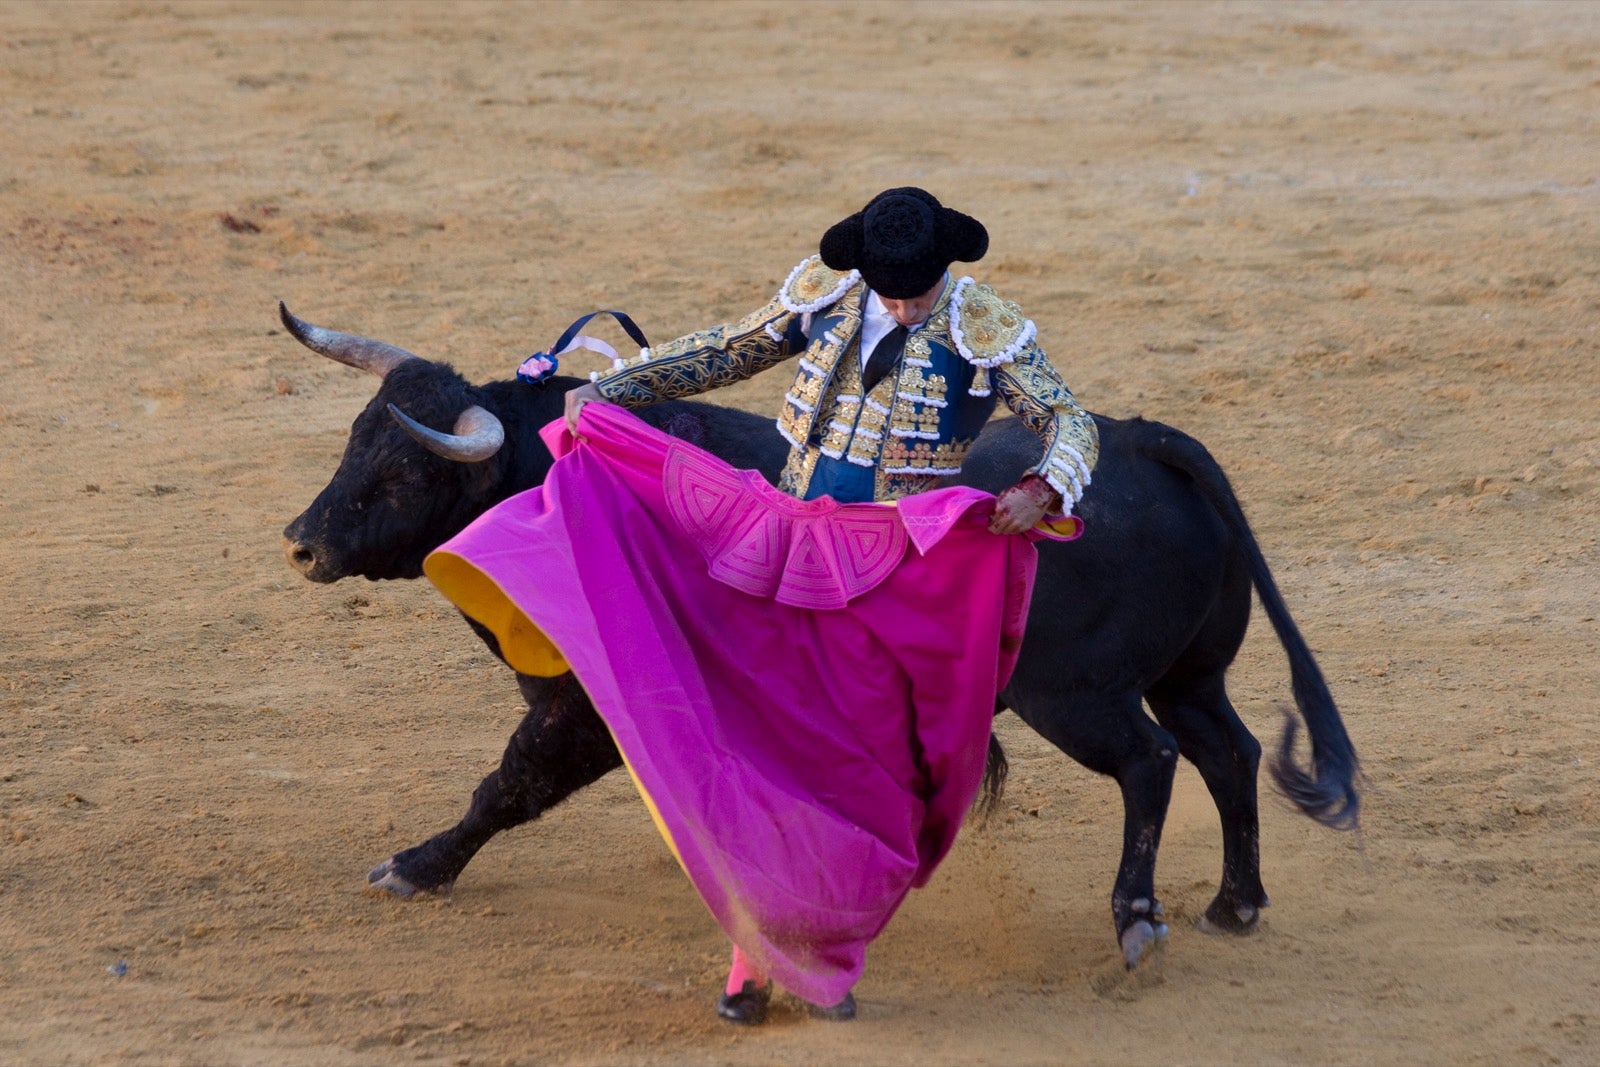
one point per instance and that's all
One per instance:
(1212, 737)
(1113, 736)
(560, 746)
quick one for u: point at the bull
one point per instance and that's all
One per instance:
(1148, 608)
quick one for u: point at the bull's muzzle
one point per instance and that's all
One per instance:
(302, 558)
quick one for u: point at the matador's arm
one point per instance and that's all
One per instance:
(1030, 386)
(707, 359)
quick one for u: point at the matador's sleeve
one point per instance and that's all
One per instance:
(707, 359)
(1030, 386)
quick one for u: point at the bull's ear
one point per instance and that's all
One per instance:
(478, 435)
(358, 352)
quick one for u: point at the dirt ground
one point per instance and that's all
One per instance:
(1353, 248)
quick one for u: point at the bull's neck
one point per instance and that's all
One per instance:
(525, 409)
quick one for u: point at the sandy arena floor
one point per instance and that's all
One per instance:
(1353, 248)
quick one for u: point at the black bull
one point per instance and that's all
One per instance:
(1150, 605)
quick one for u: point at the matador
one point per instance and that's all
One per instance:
(899, 366)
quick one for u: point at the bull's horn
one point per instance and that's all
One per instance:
(352, 351)
(478, 435)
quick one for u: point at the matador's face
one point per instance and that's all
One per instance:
(915, 310)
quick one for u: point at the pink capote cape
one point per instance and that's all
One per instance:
(802, 690)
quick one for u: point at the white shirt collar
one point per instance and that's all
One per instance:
(876, 322)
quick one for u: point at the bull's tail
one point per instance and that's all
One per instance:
(1326, 790)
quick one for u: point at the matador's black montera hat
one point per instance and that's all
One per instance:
(903, 241)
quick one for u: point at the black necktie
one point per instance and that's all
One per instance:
(885, 357)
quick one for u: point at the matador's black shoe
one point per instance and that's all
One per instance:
(748, 1007)
(842, 1012)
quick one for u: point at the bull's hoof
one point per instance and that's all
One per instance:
(1231, 917)
(1144, 934)
(386, 878)
(1139, 939)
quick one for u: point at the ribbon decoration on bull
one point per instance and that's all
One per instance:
(541, 365)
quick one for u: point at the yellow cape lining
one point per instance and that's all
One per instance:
(525, 647)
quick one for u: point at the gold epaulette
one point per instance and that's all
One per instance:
(987, 330)
(813, 285)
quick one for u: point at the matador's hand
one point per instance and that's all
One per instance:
(1023, 505)
(576, 399)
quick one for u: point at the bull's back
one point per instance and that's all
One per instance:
(748, 441)
(1112, 609)
(1115, 608)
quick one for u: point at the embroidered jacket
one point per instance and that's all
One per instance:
(914, 427)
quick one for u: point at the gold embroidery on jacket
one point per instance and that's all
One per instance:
(813, 285)
(705, 359)
(890, 486)
(1030, 386)
(895, 428)
(797, 471)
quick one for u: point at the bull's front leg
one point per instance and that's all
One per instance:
(560, 746)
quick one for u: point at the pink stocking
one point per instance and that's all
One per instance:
(743, 971)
